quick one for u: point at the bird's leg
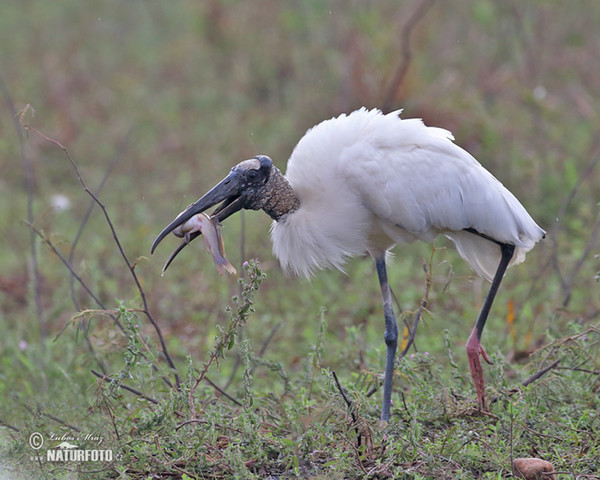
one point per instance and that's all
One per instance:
(473, 346)
(390, 337)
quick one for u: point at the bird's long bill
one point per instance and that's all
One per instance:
(227, 190)
(179, 248)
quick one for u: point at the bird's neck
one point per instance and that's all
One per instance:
(279, 198)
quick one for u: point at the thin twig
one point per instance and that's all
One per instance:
(413, 330)
(350, 407)
(131, 267)
(110, 313)
(52, 417)
(397, 302)
(371, 391)
(238, 357)
(84, 221)
(538, 433)
(28, 171)
(187, 422)
(591, 244)
(7, 425)
(401, 394)
(533, 378)
(267, 340)
(73, 274)
(236, 365)
(356, 450)
(221, 391)
(423, 306)
(540, 373)
(574, 474)
(62, 422)
(239, 317)
(125, 387)
(511, 441)
(566, 281)
(345, 397)
(242, 244)
(402, 69)
(583, 370)
(120, 148)
(586, 174)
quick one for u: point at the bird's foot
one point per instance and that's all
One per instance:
(484, 355)
(474, 350)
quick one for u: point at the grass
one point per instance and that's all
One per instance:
(156, 102)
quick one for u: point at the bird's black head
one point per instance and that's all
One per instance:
(243, 188)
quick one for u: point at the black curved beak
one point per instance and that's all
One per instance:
(228, 191)
(179, 248)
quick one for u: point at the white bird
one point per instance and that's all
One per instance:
(364, 182)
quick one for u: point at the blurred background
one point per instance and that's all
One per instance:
(155, 101)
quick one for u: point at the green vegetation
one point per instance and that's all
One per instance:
(154, 102)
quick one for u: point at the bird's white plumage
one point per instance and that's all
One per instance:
(367, 181)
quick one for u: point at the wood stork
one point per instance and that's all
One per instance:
(364, 182)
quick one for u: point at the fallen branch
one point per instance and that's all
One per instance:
(533, 378)
(540, 373)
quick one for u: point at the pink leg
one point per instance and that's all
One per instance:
(474, 349)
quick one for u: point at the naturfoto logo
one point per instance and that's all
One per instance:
(66, 450)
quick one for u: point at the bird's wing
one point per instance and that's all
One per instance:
(415, 178)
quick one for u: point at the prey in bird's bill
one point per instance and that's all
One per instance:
(213, 241)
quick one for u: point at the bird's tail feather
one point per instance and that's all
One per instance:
(483, 255)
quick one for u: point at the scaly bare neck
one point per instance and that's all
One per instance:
(279, 198)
